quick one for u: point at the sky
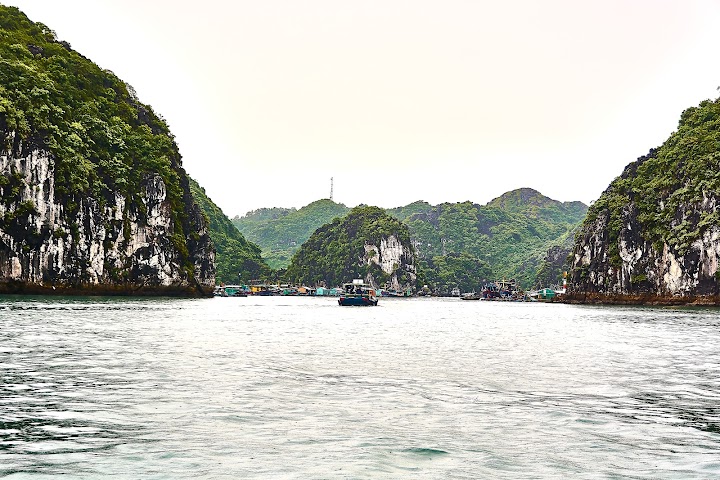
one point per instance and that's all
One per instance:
(400, 100)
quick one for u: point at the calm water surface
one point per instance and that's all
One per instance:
(300, 388)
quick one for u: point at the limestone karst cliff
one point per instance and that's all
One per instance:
(654, 234)
(367, 244)
(93, 195)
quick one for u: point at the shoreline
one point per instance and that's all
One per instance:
(640, 300)
(128, 290)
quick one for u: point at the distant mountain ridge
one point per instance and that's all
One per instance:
(458, 244)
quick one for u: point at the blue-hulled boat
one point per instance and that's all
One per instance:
(358, 294)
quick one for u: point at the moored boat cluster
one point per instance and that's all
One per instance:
(508, 291)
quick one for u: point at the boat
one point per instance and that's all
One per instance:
(393, 293)
(358, 294)
(471, 296)
(506, 290)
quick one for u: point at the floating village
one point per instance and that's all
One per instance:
(500, 290)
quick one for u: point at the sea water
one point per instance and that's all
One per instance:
(301, 388)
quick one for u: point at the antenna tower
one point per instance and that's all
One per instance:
(331, 188)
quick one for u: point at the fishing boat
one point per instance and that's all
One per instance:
(358, 294)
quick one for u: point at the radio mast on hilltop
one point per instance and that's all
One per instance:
(331, 188)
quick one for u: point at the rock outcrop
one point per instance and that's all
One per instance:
(93, 197)
(550, 273)
(393, 258)
(654, 234)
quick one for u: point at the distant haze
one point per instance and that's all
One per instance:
(402, 100)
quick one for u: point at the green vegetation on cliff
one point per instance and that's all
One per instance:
(654, 234)
(336, 252)
(236, 259)
(103, 141)
(463, 270)
(280, 231)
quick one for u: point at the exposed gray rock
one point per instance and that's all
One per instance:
(393, 258)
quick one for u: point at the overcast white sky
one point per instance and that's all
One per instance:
(447, 100)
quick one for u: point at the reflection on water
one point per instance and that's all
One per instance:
(274, 387)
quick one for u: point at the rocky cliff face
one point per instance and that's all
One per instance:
(94, 246)
(394, 259)
(654, 235)
(551, 270)
(646, 272)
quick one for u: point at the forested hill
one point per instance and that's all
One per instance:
(236, 259)
(507, 238)
(367, 243)
(94, 196)
(654, 234)
(280, 231)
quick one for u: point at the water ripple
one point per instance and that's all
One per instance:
(300, 388)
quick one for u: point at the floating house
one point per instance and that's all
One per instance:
(546, 294)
